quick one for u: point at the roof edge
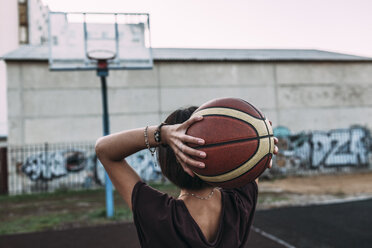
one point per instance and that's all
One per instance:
(41, 53)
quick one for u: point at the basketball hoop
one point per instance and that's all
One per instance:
(102, 56)
(101, 42)
(83, 41)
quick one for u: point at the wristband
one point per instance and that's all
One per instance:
(157, 134)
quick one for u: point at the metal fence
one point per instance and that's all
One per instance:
(48, 167)
(319, 152)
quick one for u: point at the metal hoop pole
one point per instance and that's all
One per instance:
(103, 73)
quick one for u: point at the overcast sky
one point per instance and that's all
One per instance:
(335, 25)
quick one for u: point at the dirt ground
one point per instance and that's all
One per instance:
(317, 189)
(348, 184)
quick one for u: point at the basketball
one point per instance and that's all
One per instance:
(239, 142)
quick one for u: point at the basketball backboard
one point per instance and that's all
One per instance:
(76, 39)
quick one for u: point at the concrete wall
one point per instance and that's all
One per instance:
(53, 107)
(323, 96)
(8, 42)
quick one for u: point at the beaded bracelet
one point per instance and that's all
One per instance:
(147, 142)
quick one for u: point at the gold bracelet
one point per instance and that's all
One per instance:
(147, 142)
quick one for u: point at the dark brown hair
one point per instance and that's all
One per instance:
(167, 159)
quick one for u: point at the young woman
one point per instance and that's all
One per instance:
(202, 216)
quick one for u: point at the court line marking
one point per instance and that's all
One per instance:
(272, 237)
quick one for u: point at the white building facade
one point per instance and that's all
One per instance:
(302, 90)
(21, 22)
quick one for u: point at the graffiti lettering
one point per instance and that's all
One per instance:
(342, 147)
(143, 163)
(47, 166)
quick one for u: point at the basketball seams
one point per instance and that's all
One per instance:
(253, 154)
(264, 157)
(224, 107)
(267, 128)
(230, 142)
(262, 152)
(271, 134)
(254, 167)
(237, 114)
(259, 112)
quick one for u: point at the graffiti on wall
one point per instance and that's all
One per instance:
(340, 147)
(48, 166)
(319, 149)
(312, 151)
(144, 164)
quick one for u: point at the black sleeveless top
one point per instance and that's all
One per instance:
(163, 221)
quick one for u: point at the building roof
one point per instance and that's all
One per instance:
(252, 55)
(40, 53)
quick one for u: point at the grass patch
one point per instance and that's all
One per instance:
(48, 196)
(63, 209)
(34, 223)
(121, 214)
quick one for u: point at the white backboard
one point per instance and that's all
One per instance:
(73, 36)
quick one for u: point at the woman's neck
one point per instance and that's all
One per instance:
(204, 193)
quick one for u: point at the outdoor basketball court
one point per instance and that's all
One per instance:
(100, 42)
(111, 236)
(335, 225)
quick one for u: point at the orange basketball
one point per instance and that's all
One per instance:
(238, 141)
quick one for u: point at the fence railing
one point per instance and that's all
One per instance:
(49, 167)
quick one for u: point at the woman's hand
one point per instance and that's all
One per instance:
(276, 149)
(175, 136)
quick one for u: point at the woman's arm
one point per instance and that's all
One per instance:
(112, 150)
